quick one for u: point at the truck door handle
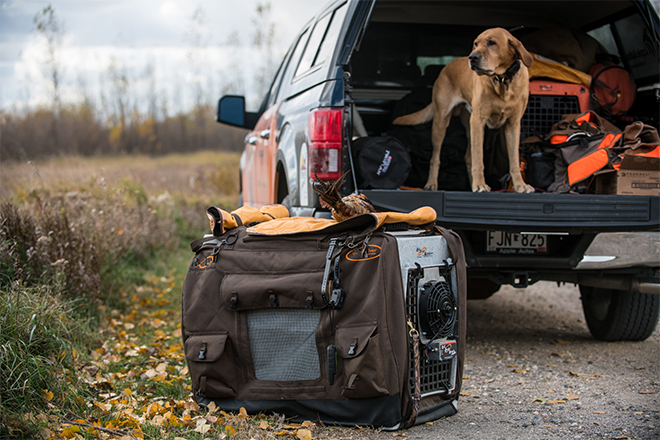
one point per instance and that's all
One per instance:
(264, 134)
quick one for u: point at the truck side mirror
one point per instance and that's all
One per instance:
(231, 110)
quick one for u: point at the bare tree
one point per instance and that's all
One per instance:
(197, 37)
(264, 41)
(51, 28)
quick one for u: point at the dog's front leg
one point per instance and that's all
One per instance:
(476, 161)
(512, 133)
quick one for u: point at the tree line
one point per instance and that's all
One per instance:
(124, 121)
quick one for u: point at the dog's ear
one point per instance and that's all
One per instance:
(518, 47)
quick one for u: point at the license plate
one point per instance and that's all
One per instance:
(517, 244)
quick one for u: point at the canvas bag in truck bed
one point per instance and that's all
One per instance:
(261, 333)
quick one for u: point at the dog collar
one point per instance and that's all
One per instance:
(506, 77)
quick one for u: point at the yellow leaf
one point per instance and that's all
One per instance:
(231, 431)
(572, 397)
(48, 395)
(599, 412)
(304, 434)
(282, 432)
(307, 424)
(552, 402)
(71, 431)
(211, 407)
(242, 413)
(264, 425)
(104, 407)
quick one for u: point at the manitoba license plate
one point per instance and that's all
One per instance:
(513, 243)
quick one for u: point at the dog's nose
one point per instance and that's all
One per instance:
(474, 58)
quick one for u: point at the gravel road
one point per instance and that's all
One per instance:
(533, 371)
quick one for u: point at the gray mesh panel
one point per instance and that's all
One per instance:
(283, 344)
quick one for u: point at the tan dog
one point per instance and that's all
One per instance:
(493, 86)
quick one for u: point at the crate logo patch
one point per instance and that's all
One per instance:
(202, 264)
(372, 252)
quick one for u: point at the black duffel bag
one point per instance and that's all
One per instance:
(381, 162)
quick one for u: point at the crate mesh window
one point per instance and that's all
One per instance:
(283, 344)
(544, 111)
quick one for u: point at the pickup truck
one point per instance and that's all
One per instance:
(354, 63)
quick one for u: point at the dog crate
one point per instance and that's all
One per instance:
(548, 102)
(262, 333)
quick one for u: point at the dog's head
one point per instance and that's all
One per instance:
(495, 50)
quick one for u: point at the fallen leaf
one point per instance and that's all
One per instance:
(242, 413)
(307, 424)
(464, 393)
(572, 397)
(230, 430)
(48, 395)
(304, 434)
(202, 427)
(71, 431)
(647, 392)
(539, 400)
(572, 373)
(622, 437)
(264, 425)
(552, 402)
(557, 355)
(599, 412)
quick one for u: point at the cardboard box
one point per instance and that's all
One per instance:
(638, 176)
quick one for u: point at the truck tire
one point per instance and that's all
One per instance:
(619, 315)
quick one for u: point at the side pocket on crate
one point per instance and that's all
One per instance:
(211, 365)
(358, 348)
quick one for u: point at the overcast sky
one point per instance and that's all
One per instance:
(132, 34)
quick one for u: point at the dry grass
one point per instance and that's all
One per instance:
(205, 176)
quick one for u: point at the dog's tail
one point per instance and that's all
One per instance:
(424, 115)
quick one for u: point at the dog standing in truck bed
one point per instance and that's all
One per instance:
(493, 85)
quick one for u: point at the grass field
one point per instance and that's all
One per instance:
(207, 176)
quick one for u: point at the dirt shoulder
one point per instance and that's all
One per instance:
(533, 371)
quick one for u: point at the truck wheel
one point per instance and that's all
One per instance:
(619, 315)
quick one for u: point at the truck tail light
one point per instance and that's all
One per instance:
(325, 143)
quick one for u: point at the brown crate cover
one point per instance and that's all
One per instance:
(236, 280)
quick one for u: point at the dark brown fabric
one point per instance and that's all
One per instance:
(261, 272)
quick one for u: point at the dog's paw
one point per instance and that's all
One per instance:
(481, 188)
(524, 188)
